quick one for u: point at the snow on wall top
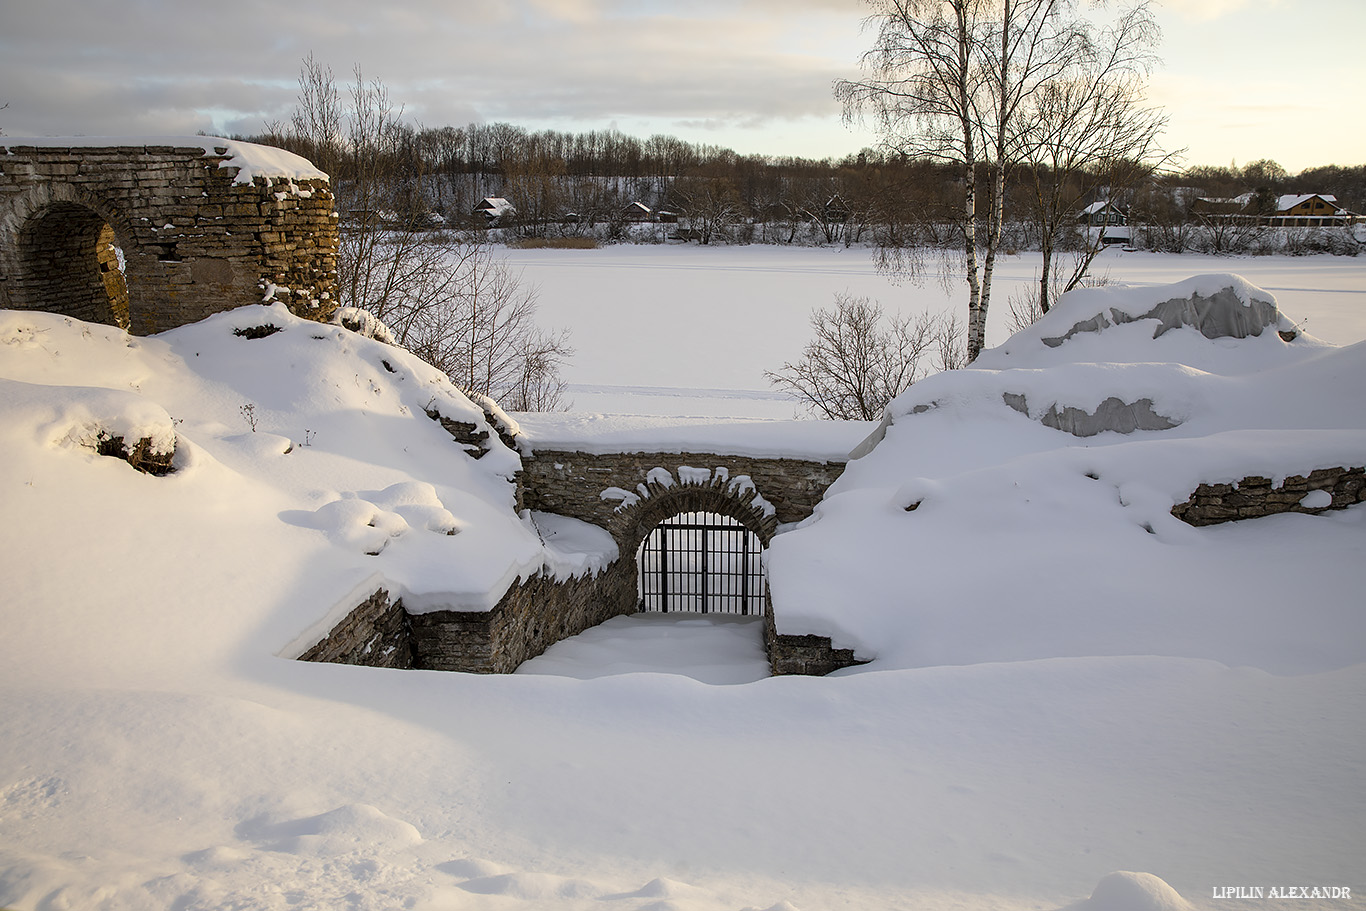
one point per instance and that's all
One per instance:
(250, 159)
(608, 433)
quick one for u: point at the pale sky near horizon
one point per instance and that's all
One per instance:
(1241, 79)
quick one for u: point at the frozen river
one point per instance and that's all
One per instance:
(690, 330)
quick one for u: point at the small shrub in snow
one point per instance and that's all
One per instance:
(257, 331)
(858, 362)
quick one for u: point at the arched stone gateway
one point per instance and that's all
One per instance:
(150, 237)
(698, 525)
(625, 491)
(628, 495)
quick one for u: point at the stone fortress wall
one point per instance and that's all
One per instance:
(150, 237)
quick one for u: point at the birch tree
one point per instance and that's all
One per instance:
(923, 87)
(952, 80)
(1090, 133)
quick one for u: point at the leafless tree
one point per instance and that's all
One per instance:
(318, 120)
(952, 80)
(1026, 305)
(858, 362)
(538, 386)
(446, 297)
(711, 205)
(537, 181)
(478, 325)
(1089, 133)
(923, 87)
(1225, 234)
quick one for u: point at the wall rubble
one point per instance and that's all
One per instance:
(1254, 497)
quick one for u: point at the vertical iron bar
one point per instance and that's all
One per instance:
(705, 540)
(744, 579)
(663, 569)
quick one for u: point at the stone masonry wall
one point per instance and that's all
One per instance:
(194, 242)
(571, 483)
(447, 640)
(374, 634)
(809, 655)
(1253, 497)
(539, 612)
(533, 615)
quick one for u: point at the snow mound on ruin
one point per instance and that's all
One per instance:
(310, 429)
(969, 464)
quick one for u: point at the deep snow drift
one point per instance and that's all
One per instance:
(1107, 569)
(1065, 682)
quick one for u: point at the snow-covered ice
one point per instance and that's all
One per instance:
(690, 330)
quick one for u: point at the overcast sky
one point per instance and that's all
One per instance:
(1242, 79)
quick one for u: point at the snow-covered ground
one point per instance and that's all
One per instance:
(1057, 692)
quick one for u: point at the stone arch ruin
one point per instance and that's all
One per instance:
(698, 495)
(662, 494)
(150, 237)
(626, 494)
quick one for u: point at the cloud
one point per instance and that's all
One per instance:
(74, 66)
(1210, 10)
(732, 71)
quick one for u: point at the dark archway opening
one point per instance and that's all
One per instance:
(701, 562)
(71, 264)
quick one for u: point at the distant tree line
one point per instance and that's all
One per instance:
(585, 183)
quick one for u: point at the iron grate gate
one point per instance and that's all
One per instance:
(701, 562)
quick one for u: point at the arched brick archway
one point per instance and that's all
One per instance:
(655, 501)
(64, 255)
(682, 554)
(201, 226)
(624, 492)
